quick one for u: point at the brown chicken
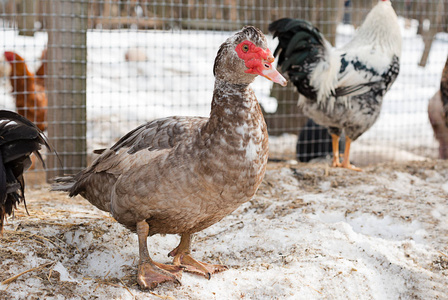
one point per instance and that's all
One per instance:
(42, 70)
(180, 175)
(438, 114)
(31, 100)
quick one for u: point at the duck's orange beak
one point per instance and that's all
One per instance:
(264, 67)
(268, 71)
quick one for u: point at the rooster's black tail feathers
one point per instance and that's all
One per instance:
(19, 137)
(298, 41)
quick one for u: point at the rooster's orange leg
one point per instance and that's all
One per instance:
(182, 258)
(335, 144)
(150, 273)
(346, 163)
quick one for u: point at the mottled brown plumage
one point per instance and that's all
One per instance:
(437, 120)
(444, 90)
(438, 114)
(179, 175)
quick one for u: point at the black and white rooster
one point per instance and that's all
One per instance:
(342, 89)
(19, 137)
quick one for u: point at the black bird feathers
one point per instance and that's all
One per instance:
(300, 47)
(19, 137)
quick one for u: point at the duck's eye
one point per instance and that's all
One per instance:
(245, 48)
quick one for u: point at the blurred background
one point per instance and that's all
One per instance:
(106, 66)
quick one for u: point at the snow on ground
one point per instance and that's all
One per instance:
(311, 232)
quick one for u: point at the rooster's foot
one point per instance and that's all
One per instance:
(350, 167)
(336, 164)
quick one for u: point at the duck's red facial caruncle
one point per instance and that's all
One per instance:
(259, 61)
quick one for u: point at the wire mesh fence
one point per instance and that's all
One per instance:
(107, 66)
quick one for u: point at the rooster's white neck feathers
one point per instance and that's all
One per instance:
(379, 32)
(380, 28)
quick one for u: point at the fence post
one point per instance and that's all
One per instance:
(26, 17)
(66, 85)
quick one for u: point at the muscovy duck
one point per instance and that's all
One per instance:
(179, 175)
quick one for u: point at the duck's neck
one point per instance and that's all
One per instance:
(236, 127)
(235, 136)
(232, 105)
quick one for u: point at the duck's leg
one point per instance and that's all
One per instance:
(346, 162)
(335, 144)
(150, 273)
(183, 258)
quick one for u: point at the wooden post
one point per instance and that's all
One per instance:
(288, 117)
(26, 17)
(66, 85)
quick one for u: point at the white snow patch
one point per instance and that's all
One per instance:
(79, 238)
(65, 276)
(325, 185)
(445, 187)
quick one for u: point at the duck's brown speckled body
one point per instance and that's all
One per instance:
(201, 170)
(179, 175)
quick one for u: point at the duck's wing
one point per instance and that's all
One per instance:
(156, 136)
(159, 134)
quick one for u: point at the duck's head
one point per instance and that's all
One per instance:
(244, 56)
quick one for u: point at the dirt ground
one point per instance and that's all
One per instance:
(296, 225)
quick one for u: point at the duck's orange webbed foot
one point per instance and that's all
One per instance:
(197, 267)
(150, 274)
(183, 258)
